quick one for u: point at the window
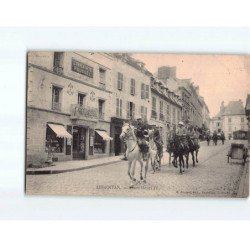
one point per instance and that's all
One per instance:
(242, 119)
(102, 75)
(147, 92)
(174, 116)
(81, 99)
(119, 107)
(120, 81)
(168, 113)
(161, 111)
(179, 115)
(130, 110)
(242, 127)
(154, 103)
(58, 62)
(230, 128)
(101, 108)
(144, 113)
(132, 87)
(53, 143)
(56, 98)
(229, 120)
(99, 144)
(143, 91)
(154, 113)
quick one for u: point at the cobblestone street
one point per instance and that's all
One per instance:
(211, 177)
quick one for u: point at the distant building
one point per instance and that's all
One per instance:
(166, 72)
(230, 118)
(216, 121)
(234, 118)
(192, 104)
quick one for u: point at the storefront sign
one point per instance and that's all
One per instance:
(82, 68)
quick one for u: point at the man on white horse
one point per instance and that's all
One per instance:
(141, 131)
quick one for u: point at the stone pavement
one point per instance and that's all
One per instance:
(212, 177)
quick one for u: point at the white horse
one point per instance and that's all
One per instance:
(133, 154)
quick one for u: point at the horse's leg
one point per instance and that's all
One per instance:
(129, 167)
(180, 161)
(141, 163)
(196, 153)
(133, 170)
(187, 159)
(192, 153)
(152, 163)
(146, 170)
(174, 162)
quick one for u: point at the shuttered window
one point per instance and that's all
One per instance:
(132, 87)
(119, 81)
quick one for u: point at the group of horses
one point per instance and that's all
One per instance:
(176, 150)
(215, 137)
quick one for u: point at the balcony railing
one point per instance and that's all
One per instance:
(162, 117)
(154, 114)
(84, 112)
(58, 70)
(56, 106)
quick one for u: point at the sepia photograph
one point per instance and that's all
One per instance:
(137, 125)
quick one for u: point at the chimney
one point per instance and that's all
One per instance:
(222, 107)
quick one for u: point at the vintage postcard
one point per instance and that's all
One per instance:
(137, 125)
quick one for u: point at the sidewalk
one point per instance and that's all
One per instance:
(76, 165)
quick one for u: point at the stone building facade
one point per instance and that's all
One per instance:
(165, 109)
(234, 118)
(230, 118)
(131, 97)
(68, 105)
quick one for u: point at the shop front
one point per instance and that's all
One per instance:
(117, 146)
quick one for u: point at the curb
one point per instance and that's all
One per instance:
(41, 172)
(243, 190)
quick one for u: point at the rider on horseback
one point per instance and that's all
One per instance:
(141, 129)
(181, 135)
(193, 136)
(158, 141)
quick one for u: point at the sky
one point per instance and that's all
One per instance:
(220, 77)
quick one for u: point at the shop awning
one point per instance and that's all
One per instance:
(104, 135)
(60, 131)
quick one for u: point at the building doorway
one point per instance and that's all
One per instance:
(79, 142)
(117, 144)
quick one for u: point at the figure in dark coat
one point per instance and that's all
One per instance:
(141, 131)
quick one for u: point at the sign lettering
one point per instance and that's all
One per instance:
(82, 68)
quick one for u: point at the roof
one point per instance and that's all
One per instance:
(234, 108)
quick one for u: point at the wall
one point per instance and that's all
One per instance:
(236, 124)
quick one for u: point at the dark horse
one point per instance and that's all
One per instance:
(193, 149)
(180, 149)
(215, 138)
